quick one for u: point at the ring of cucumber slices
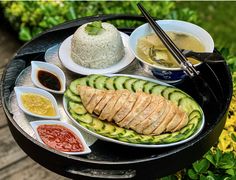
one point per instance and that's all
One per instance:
(110, 130)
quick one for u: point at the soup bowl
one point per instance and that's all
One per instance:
(167, 74)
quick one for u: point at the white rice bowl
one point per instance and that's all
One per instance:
(97, 51)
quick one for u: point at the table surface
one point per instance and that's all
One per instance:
(14, 163)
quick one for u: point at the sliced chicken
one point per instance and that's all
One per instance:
(161, 105)
(98, 95)
(86, 93)
(126, 108)
(157, 120)
(150, 108)
(142, 102)
(120, 102)
(107, 110)
(183, 122)
(174, 122)
(106, 98)
(169, 116)
(144, 113)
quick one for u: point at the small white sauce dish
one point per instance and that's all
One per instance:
(51, 68)
(169, 75)
(23, 89)
(76, 132)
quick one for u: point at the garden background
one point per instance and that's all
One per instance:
(28, 19)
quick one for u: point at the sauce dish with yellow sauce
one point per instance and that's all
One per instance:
(37, 102)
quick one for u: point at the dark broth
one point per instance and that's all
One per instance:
(49, 80)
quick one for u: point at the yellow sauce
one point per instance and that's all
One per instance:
(38, 104)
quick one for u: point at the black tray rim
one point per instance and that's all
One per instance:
(76, 158)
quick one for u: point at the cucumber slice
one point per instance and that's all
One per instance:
(188, 105)
(159, 139)
(157, 90)
(77, 108)
(166, 92)
(178, 136)
(176, 96)
(128, 133)
(135, 139)
(118, 131)
(119, 82)
(139, 85)
(86, 118)
(71, 96)
(129, 84)
(107, 129)
(97, 125)
(100, 82)
(194, 113)
(91, 79)
(146, 139)
(148, 86)
(109, 84)
(196, 122)
(81, 81)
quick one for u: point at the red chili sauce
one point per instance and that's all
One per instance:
(49, 80)
(60, 138)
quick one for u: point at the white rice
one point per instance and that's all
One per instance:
(97, 51)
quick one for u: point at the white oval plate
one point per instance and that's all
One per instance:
(104, 138)
(35, 125)
(37, 65)
(65, 51)
(23, 89)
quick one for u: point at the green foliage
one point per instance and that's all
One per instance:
(231, 61)
(214, 165)
(32, 17)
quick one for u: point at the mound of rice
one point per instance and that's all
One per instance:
(97, 51)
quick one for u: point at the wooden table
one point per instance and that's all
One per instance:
(14, 163)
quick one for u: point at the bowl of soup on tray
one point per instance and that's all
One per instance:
(155, 57)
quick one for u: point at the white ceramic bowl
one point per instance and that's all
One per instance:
(37, 65)
(163, 73)
(35, 125)
(22, 89)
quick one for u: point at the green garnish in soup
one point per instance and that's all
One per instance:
(152, 50)
(94, 28)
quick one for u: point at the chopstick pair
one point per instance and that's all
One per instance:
(174, 50)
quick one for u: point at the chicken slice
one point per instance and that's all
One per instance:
(98, 95)
(120, 102)
(153, 116)
(143, 100)
(146, 112)
(166, 120)
(157, 120)
(107, 96)
(183, 122)
(174, 122)
(86, 93)
(107, 110)
(126, 108)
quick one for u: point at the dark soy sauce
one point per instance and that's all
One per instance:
(49, 80)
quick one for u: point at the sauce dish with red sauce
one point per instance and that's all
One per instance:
(60, 136)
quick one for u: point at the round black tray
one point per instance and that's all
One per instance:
(109, 160)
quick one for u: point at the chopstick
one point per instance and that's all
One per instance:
(185, 65)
